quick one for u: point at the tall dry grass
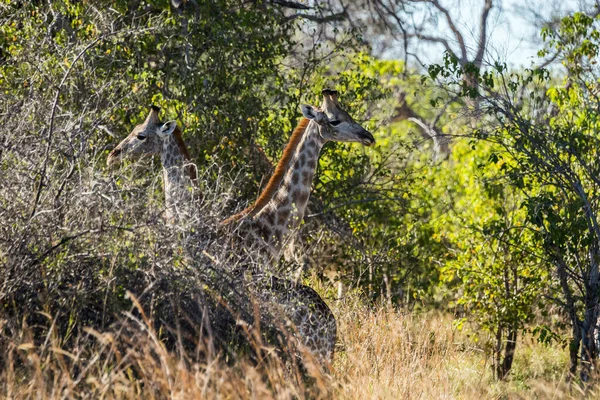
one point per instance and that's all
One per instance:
(390, 354)
(382, 354)
(131, 362)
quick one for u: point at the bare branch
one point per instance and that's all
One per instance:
(434, 39)
(51, 127)
(314, 18)
(441, 142)
(457, 34)
(291, 4)
(482, 33)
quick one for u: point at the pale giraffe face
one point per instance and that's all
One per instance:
(335, 123)
(146, 139)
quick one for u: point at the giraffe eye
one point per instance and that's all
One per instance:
(141, 137)
(335, 123)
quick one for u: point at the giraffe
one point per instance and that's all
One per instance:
(154, 137)
(277, 213)
(300, 304)
(270, 223)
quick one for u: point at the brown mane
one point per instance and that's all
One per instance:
(275, 181)
(190, 169)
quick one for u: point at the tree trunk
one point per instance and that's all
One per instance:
(588, 333)
(596, 330)
(441, 142)
(588, 327)
(388, 289)
(509, 353)
(503, 364)
(496, 359)
(574, 351)
(472, 85)
(561, 270)
(370, 280)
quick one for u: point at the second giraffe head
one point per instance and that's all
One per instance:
(145, 139)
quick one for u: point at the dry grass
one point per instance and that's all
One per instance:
(386, 354)
(382, 354)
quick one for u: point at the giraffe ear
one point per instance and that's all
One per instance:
(312, 113)
(168, 127)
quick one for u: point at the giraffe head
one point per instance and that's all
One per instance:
(145, 139)
(335, 124)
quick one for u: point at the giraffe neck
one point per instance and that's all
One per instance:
(174, 157)
(284, 212)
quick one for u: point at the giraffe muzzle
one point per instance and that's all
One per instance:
(367, 138)
(114, 158)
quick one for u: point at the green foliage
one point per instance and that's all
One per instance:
(495, 260)
(378, 237)
(551, 161)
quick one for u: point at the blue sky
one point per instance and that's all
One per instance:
(513, 37)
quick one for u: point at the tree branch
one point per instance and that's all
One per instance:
(482, 33)
(441, 142)
(328, 18)
(453, 28)
(51, 127)
(291, 4)
(435, 39)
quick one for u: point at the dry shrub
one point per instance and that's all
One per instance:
(72, 249)
(132, 362)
